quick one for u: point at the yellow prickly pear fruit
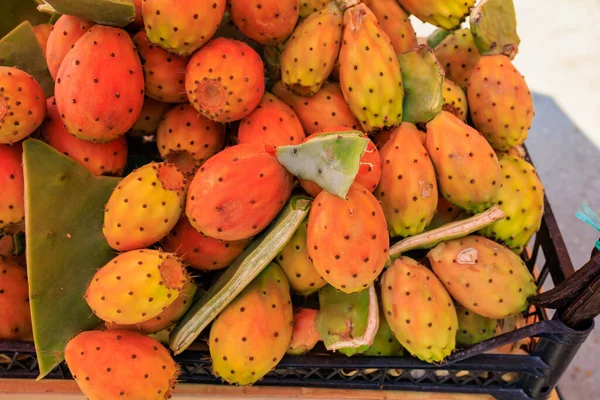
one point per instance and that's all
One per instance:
(447, 14)
(455, 100)
(395, 23)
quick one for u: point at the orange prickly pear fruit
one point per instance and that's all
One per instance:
(455, 100)
(395, 23)
(42, 33)
(67, 30)
(14, 302)
(305, 335)
(446, 213)
(12, 200)
(308, 7)
(150, 116)
(447, 14)
(458, 54)
(267, 23)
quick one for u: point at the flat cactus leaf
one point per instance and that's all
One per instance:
(13, 12)
(422, 77)
(106, 12)
(21, 49)
(437, 36)
(239, 275)
(65, 246)
(331, 160)
(494, 28)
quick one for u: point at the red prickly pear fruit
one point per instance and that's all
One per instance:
(100, 85)
(272, 123)
(22, 105)
(14, 302)
(326, 109)
(500, 101)
(113, 365)
(182, 26)
(455, 100)
(483, 276)
(42, 33)
(408, 190)
(12, 200)
(419, 310)
(458, 54)
(395, 23)
(311, 51)
(348, 239)
(267, 23)
(252, 334)
(308, 7)
(382, 137)
(187, 139)
(369, 171)
(199, 251)
(304, 335)
(99, 158)
(468, 171)
(237, 193)
(66, 31)
(144, 207)
(164, 73)
(370, 74)
(149, 119)
(446, 213)
(225, 80)
(446, 14)
(297, 266)
(136, 286)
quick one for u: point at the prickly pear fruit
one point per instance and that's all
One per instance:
(311, 51)
(384, 344)
(225, 80)
(12, 203)
(347, 239)
(304, 335)
(14, 302)
(521, 197)
(99, 158)
(150, 117)
(112, 365)
(42, 32)
(251, 335)
(326, 109)
(100, 85)
(447, 14)
(458, 55)
(500, 102)
(419, 310)
(408, 190)
(494, 27)
(22, 105)
(67, 30)
(199, 251)
(237, 193)
(136, 286)
(485, 277)
(446, 213)
(473, 328)
(272, 123)
(187, 139)
(308, 7)
(369, 71)
(455, 100)
(297, 266)
(164, 73)
(139, 20)
(468, 171)
(267, 23)
(395, 23)
(183, 26)
(144, 207)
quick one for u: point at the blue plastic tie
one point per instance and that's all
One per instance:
(587, 215)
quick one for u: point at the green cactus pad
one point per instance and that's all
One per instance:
(422, 77)
(239, 275)
(436, 37)
(331, 160)
(13, 12)
(65, 246)
(494, 28)
(21, 49)
(105, 12)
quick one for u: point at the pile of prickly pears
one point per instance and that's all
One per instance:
(273, 152)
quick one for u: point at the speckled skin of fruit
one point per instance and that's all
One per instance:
(252, 334)
(107, 158)
(144, 207)
(304, 335)
(458, 54)
(199, 251)
(65, 32)
(484, 276)
(182, 26)
(446, 213)
(408, 190)
(149, 119)
(447, 14)
(308, 7)
(347, 239)
(22, 105)
(468, 171)
(112, 365)
(12, 201)
(237, 193)
(272, 123)
(419, 310)
(14, 302)
(164, 72)
(42, 32)
(455, 100)
(473, 328)
(500, 101)
(395, 23)
(99, 88)
(384, 344)
(326, 109)
(225, 80)
(270, 22)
